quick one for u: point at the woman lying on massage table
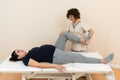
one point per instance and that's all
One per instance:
(55, 55)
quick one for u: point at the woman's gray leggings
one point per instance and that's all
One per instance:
(62, 39)
(62, 57)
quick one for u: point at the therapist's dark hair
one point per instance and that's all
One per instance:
(14, 57)
(73, 11)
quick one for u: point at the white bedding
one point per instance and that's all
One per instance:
(19, 67)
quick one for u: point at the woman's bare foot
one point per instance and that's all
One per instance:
(87, 38)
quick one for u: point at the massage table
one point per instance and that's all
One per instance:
(73, 70)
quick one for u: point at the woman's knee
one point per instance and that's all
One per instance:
(64, 34)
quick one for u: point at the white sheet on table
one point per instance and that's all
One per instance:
(9, 66)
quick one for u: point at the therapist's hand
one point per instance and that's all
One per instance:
(60, 68)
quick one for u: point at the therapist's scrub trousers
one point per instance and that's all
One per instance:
(62, 57)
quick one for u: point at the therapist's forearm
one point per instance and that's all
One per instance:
(91, 32)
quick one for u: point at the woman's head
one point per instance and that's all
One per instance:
(73, 14)
(17, 55)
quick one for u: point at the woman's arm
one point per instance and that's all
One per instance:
(34, 63)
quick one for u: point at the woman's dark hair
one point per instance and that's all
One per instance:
(14, 57)
(73, 11)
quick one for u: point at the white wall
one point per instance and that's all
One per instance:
(28, 23)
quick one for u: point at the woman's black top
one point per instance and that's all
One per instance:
(40, 54)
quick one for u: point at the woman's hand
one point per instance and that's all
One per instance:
(60, 68)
